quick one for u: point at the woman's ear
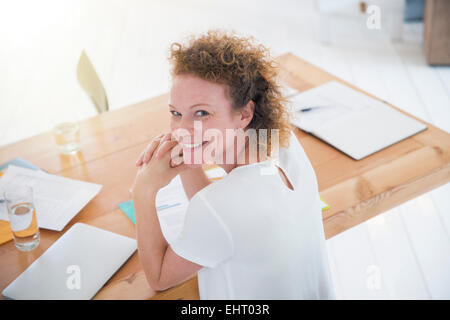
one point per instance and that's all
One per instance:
(247, 114)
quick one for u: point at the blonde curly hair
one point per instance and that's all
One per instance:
(247, 70)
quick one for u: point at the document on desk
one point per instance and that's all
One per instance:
(349, 120)
(327, 102)
(57, 199)
(171, 205)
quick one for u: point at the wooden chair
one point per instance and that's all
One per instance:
(91, 84)
(437, 32)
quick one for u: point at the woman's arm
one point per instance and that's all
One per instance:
(163, 268)
(194, 180)
(152, 245)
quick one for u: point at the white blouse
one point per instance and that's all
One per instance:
(255, 237)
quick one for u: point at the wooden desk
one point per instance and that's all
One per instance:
(111, 142)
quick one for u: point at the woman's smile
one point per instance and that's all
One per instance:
(193, 146)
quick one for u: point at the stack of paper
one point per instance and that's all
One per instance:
(57, 199)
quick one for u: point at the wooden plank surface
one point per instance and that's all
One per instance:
(5, 228)
(111, 142)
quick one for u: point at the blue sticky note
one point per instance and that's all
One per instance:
(128, 208)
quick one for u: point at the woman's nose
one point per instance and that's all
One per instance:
(187, 124)
(187, 129)
(181, 125)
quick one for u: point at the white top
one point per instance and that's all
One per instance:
(257, 238)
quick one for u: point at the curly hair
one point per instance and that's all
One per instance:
(247, 70)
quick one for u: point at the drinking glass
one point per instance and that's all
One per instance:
(67, 137)
(22, 216)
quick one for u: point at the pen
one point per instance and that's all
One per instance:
(310, 108)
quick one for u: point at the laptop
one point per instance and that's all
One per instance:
(351, 121)
(76, 266)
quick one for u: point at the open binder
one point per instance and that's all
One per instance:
(349, 120)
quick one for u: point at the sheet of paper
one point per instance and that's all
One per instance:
(171, 206)
(325, 205)
(329, 102)
(57, 199)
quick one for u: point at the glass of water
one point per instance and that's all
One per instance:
(22, 216)
(67, 137)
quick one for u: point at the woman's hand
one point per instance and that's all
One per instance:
(146, 155)
(158, 165)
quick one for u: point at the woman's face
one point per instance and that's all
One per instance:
(201, 113)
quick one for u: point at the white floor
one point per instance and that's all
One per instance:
(401, 254)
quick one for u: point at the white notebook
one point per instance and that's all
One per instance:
(351, 121)
(76, 266)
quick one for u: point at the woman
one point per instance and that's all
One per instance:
(257, 233)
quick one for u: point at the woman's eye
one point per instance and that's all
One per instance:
(175, 113)
(201, 113)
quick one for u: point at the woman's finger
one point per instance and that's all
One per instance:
(149, 150)
(148, 154)
(165, 147)
(176, 160)
(166, 137)
(140, 159)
